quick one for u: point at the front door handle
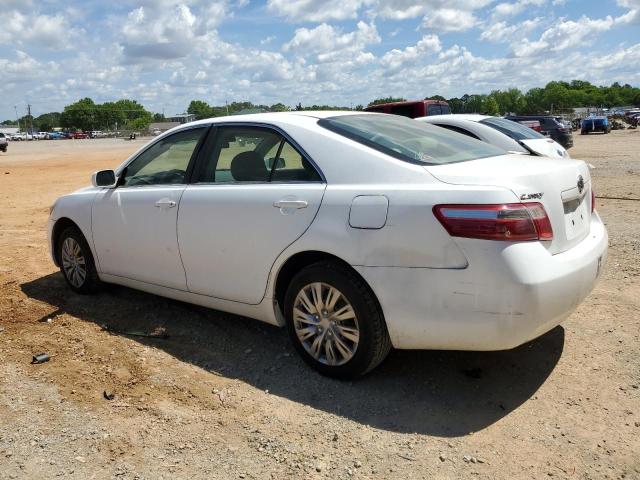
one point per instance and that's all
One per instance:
(291, 204)
(165, 202)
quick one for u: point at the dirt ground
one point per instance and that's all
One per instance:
(226, 397)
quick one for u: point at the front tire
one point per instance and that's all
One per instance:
(334, 321)
(76, 262)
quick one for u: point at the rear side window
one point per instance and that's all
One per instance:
(458, 129)
(406, 110)
(515, 130)
(408, 140)
(433, 110)
(253, 154)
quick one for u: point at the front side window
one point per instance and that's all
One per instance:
(165, 162)
(253, 154)
(408, 140)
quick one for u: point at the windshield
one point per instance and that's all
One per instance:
(408, 140)
(515, 130)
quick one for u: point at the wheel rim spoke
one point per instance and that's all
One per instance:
(345, 313)
(349, 333)
(326, 324)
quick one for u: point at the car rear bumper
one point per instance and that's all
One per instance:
(508, 295)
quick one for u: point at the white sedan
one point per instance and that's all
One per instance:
(356, 231)
(505, 134)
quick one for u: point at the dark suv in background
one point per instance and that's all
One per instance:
(550, 126)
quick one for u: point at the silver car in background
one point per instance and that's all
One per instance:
(508, 135)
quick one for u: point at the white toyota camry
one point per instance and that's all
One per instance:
(358, 231)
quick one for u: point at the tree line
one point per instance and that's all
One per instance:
(556, 97)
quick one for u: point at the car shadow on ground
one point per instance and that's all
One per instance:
(441, 393)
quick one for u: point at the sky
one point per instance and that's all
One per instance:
(164, 53)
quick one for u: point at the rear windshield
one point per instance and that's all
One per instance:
(408, 140)
(515, 130)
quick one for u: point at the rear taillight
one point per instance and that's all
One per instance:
(509, 221)
(593, 200)
(564, 130)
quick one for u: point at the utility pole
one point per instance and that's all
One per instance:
(227, 105)
(17, 118)
(29, 119)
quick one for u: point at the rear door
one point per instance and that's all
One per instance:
(253, 194)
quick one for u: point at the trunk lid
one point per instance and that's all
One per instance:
(567, 204)
(545, 147)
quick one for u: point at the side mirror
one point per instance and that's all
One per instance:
(279, 163)
(104, 178)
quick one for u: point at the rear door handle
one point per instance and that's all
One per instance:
(165, 202)
(291, 204)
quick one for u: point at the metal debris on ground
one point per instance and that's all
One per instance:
(108, 396)
(40, 358)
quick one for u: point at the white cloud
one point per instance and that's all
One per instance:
(395, 59)
(44, 31)
(449, 20)
(313, 11)
(514, 8)
(564, 35)
(502, 32)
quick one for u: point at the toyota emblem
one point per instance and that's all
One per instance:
(580, 183)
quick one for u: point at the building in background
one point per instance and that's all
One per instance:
(182, 118)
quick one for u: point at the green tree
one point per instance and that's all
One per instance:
(490, 106)
(47, 121)
(200, 109)
(79, 115)
(378, 101)
(279, 107)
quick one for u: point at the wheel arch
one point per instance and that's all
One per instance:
(61, 224)
(297, 262)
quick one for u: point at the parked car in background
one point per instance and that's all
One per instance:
(595, 124)
(505, 134)
(550, 126)
(356, 231)
(3, 143)
(19, 136)
(41, 135)
(78, 135)
(414, 109)
(54, 136)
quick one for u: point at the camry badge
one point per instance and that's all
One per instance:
(580, 184)
(531, 196)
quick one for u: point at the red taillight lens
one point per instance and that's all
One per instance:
(593, 199)
(509, 221)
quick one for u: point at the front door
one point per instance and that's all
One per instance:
(253, 195)
(134, 225)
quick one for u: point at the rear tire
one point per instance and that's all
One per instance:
(335, 321)
(76, 262)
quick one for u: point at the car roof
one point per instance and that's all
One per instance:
(278, 116)
(473, 117)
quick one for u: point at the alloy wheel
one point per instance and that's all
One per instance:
(73, 262)
(326, 324)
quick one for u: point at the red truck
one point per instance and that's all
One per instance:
(412, 109)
